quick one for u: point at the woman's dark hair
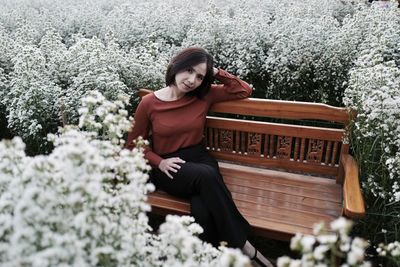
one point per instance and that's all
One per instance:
(188, 58)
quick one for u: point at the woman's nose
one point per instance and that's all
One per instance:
(191, 79)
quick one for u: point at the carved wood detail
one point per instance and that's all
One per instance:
(284, 147)
(273, 147)
(226, 140)
(254, 144)
(315, 149)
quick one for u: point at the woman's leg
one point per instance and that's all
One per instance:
(203, 180)
(203, 217)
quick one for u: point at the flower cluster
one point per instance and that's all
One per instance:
(391, 250)
(177, 244)
(328, 248)
(84, 204)
(107, 119)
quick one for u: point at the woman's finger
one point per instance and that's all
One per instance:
(168, 174)
(178, 160)
(173, 170)
(175, 166)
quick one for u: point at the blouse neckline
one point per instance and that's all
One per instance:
(171, 101)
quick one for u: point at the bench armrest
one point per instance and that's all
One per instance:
(353, 206)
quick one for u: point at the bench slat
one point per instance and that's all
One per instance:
(314, 168)
(276, 230)
(281, 178)
(283, 109)
(276, 128)
(286, 205)
(278, 196)
(289, 190)
(304, 219)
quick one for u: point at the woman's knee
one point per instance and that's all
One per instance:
(206, 180)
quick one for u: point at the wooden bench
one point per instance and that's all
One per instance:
(284, 176)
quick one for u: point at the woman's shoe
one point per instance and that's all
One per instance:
(261, 262)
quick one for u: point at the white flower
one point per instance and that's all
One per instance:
(327, 239)
(341, 225)
(283, 261)
(319, 252)
(295, 242)
(356, 253)
(307, 243)
(318, 228)
(295, 263)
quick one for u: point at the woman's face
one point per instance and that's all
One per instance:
(189, 79)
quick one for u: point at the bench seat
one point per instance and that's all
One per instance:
(282, 202)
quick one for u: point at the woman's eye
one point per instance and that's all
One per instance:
(190, 70)
(200, 78)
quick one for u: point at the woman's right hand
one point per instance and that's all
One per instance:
(170, 164)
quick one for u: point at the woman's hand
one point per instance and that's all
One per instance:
(170, 164)
(215, 71)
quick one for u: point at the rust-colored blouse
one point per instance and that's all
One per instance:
(180, 123)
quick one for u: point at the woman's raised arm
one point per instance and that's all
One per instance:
(230, 88)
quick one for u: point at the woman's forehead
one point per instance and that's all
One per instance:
(200, 68)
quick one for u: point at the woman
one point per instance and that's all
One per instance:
(173, 118)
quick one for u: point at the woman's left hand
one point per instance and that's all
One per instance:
(170, 165)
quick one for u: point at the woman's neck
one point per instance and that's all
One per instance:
(169, 93)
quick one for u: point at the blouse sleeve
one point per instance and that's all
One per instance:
(231, 88)
(142, 127)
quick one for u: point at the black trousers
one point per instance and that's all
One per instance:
(212, 205)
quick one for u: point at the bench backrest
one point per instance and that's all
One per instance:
(250, 139)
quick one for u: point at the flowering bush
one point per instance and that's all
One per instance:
(328, 248)
(31, 104)
(284, 48)
(49, 80)
(338, 52)
(374, 91)
(85, 203)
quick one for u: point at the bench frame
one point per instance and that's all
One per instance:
(254, 145)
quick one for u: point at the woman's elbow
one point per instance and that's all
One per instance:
(248, 90)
